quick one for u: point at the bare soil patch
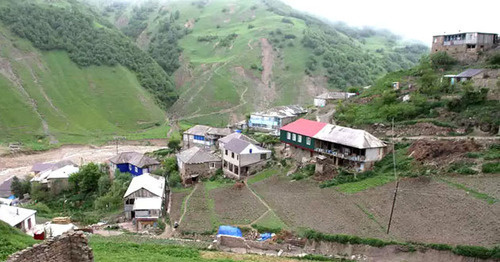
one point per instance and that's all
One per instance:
(236, 206)
(485, 183)
(176, 206)
(441, 150)
(430, 211)
(304, 204)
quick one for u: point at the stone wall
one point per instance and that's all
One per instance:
(69, 247)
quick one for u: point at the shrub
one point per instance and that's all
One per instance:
(174, 144)
(473, 154)
(473, 251)
(440, 246)
(263, 229)
(491, 167)
(287, 21)
(250, 26)
(442, 60)
(174, 179)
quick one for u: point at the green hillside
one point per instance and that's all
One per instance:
(88, 94)
(46, 97)
(12, 240)
(240, 56)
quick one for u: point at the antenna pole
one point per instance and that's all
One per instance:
(395, 176)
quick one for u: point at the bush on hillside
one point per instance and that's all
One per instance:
(442, 60)
(20, 187)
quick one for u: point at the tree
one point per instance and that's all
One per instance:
(20, 187)
(174, 144)
(442, 60)
(87, 179)
(170, 164)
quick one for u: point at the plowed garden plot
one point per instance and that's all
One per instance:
(304, 204)
(236, 206)
(176, 207)
(428, 210)
(488, 184)
(198, 217)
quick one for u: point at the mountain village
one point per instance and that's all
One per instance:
(264, 184)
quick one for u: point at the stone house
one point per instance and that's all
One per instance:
(203, 136)
(55, 177)
(241, 158)
(195, 163)
(22, 218)
(354, 149)
(144, 199)
(466, 46)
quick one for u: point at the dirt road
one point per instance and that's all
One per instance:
(20, 165)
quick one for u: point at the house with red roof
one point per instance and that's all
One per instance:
(337, 145)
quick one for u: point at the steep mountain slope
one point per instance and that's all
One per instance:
(239, 56)
(45, 97)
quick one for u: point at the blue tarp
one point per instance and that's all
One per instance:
(12, 197)
(265, 236)
(229, 231)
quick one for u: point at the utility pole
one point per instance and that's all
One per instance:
(395, 176)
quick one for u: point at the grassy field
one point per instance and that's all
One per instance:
(12, 240)
(77, 105)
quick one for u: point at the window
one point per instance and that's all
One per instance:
(136, 169)
(294, 137)
(201, 138)
(130, 167)
(226, 152)
(212, 165)
(308, 141)
(232, 154)
(263, 156)
(288, 135)
(299, 138)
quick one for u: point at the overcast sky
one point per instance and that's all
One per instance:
(418, 19)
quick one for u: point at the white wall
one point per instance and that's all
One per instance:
(319, 102)
(374, 154)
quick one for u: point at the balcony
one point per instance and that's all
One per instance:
(352, 157)
(454, 42)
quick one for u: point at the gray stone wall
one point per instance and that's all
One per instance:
(69, 247)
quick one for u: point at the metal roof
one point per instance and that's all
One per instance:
(152, 183)
(202, 130)
(196, 155)
(14, 215)
(134, 158)
(335, 95)
(469, 73)
(240, 146)
(356, 138)
(147, 203)
(282, 111)
(304, 127)
(63, 172)
(237, 135)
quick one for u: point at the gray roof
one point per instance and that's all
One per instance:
(237, 145)
(335, 95)
(283, 111)
(238, 135)
(469, 73)
(202, 130)
(196, 155)
(356, 138)
(39, 167)
(5, 188)
(134, 158)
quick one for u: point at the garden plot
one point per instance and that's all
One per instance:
(198, 217)
(177, 205)
(304, 204)
(428, 210)
(235, 206)
(487, 183)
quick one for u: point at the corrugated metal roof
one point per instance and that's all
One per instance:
(304, 127)
(14, 215)
(147, 203)
(356, 138)
(282, 111)
(134, 158)
(152, 183)
(469, 73)
(196, 155)
(240, 146)
(63, 172)
(237, 135)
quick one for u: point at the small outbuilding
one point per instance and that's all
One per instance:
(195, 163)
(18, 217)
(328, 97)
(133, 163)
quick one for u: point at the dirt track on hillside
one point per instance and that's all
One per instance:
(20, 164)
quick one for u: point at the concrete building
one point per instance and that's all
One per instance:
(195, 163)
(328, 97)
(465, 75)
(273, 119)
(133, 163)
(204, 136)
(241, 136)
(465, 46)
(22, 218)
(347, 147)
(144, 199)
(241, 158)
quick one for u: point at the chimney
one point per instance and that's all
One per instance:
(17, 211)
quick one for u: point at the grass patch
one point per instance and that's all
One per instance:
(270, 223)
(371, 217)
(493, 167)
(472, 192)
(12, 240)
(463, 168)
(263, 175)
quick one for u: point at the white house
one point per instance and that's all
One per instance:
(144, 199)
(204, 136)
(56, 178)
(19, 217)
(242, 158)
(323, 99)
(273, 119)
